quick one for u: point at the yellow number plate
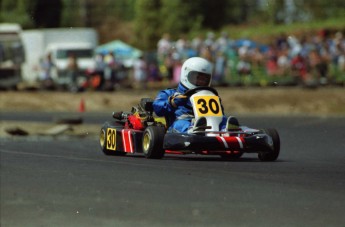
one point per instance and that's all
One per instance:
(207, 106)
(111, 139)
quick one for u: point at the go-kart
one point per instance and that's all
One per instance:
(141, 131)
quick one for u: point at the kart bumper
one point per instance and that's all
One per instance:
(193, 142)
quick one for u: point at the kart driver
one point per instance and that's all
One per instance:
(176, 107)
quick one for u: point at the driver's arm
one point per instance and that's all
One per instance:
(161, 105)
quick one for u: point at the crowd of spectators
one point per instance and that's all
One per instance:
(317, 58)
(311, 58)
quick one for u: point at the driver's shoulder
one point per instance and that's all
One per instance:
(164, 94)
(169, 91)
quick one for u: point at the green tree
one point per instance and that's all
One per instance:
(16, 11)
(323, 9)
(273, 8)
(214, 13)
(122, 9)
(156, 17)
(147, 23)
(184, 19)
(47, 14)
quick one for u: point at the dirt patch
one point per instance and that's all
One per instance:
(47, 129)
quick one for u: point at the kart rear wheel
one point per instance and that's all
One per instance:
(103, 138)
(274, 153)
(153, 138)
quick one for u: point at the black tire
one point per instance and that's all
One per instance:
(232, 156)
(153, 139)
(103, 137)
(271, 155)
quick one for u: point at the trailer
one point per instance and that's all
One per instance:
(11, 55)
(59, 43)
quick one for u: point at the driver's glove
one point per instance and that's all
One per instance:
(178, 100)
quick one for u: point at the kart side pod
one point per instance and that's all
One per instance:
(115, 140)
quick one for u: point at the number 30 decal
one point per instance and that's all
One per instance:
(208, 106)
(111, 139)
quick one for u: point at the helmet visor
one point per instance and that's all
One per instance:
(199, 79)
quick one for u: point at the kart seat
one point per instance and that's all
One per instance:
(147, 104)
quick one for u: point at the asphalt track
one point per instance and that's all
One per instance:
(69, 182)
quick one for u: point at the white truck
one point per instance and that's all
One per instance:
(11, 55)
(59, 43)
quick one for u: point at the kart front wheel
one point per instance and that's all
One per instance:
(274, 153)
(153, 138)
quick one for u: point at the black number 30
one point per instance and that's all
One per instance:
(211, 105)
(111, 141)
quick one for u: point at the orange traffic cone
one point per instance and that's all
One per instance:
(82, 106)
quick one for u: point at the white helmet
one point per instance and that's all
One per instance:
(196, 72)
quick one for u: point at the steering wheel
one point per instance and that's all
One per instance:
(195, 90)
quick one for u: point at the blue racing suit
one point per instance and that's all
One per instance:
(178, 119)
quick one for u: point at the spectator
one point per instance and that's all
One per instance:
(46, 72)
(178, 60)
(197, 44)
(140, 72)
(281, 41)
(341, 63)
(257, 57)
(111, 67)
(100, 64)
(169, 66)
(153, 73)
(223, 42)
(299, 67)
(73, 71)
(283, 62)
(164, 46)
(244, 67)
(210, 41)
(272, 66)
(336, 50)
(220, 68)
(182, 45)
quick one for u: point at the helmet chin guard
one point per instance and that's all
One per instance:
(196, 72)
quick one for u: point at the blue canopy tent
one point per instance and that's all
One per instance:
(245, 42)
(250, 44)
(121, 50)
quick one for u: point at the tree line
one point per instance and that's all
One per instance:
(142, 22)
